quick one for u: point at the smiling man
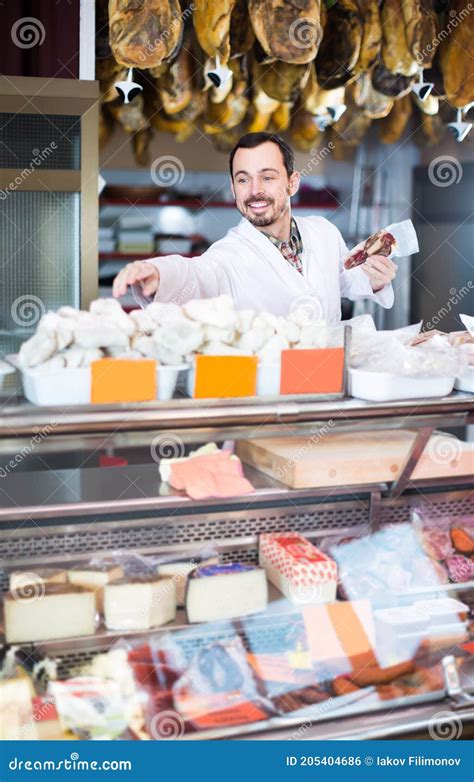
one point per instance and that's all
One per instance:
(271, 260)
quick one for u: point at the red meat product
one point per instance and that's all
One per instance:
(380, 243)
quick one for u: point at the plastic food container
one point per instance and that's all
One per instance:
(60, 387)
(268, 379)
(5, 369)
(167, 378)
(384, 387)
(465, 382)
(73, 386)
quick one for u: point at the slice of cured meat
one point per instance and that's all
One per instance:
(380, 243)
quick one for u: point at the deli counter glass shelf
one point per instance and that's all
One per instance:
(378, 644)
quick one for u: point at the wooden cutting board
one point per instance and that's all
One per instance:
(341, 459)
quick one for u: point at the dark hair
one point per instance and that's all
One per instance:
(251, 140)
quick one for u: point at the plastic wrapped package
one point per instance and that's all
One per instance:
(176, 566)
(220, 688)
(388, 353)
(386, 565)
(91, 707)
(315, 660)
(449, 541)
(468, 322)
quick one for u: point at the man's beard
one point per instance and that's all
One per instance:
(263, 220)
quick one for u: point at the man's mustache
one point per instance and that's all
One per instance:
(264, 200)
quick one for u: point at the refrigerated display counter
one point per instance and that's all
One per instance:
(82, 484)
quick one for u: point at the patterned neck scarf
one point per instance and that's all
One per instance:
(291, 250)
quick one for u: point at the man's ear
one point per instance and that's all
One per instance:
(294, 184)
(232, 188)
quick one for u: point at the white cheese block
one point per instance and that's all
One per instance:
(179, 572)
(95, 578)
(139, 603)
(61, 611)
(21, 578)
(225, 592)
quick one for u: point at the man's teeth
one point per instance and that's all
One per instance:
(259, 203)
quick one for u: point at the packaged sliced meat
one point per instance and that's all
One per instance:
(220, 688)
(460, 568)
(398, 239)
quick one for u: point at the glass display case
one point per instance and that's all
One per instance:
(329, 596)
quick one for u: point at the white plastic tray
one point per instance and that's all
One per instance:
(384, 387)
(466, 381)
(73, 386)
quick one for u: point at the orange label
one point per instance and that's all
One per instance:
(225, 376)
(315, 371)
(352, 633)
(300, 548)
(123, 380)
